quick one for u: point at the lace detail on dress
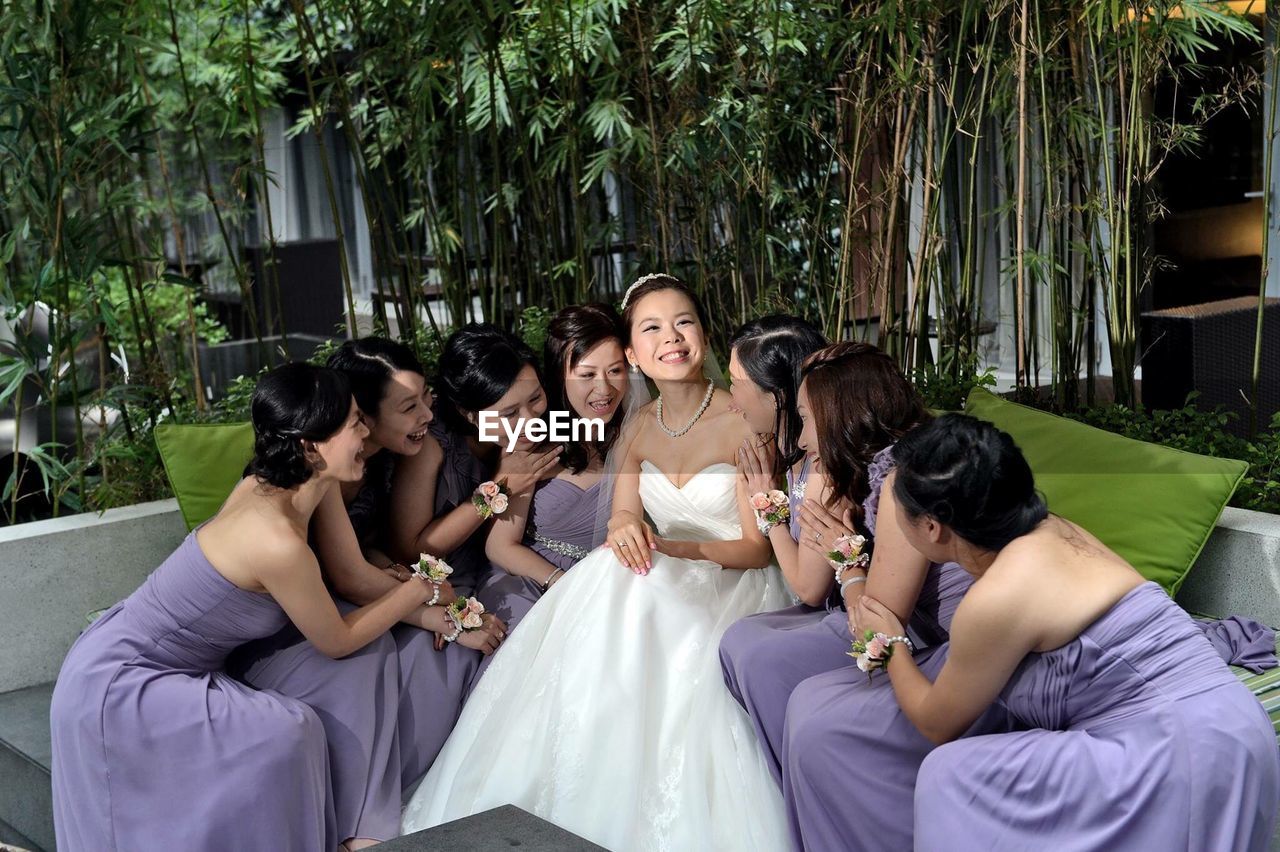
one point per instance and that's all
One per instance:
(877, 471)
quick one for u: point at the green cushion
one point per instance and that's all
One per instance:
(1153, 505)
(203, 461)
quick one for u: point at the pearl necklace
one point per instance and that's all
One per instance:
(676, 433)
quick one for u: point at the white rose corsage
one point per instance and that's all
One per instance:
(465, 613)
(491, 498)
(434, 570)
(771, 508)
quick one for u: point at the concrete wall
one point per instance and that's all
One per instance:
(1238, 572)
(54, 573)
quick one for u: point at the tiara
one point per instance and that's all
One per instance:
(626, 297)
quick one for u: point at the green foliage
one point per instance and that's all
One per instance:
(532, 328)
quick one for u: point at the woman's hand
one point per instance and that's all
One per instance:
(396, 571)
(631, 540)
(486, 638)
(820, 527)
(756, 458)
(524, 469)
(875, 616)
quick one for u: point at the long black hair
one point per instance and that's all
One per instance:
(479, 364)
(571, 334)
(969, 475)
(771, 350)
(293, 403)
(369, 363)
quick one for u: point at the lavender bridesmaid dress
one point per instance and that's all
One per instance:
(766, 656)
(560, 529)
(156, 748)
(355, 697)
(1141, 739)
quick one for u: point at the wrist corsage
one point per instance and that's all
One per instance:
(465, 614)
(490, 498)
(771, 508)
(434, 570)
(846, 552)
(873, 650)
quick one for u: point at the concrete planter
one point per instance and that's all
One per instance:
(54, 573)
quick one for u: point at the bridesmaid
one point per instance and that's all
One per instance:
(155, 747)
(544, 535)
(484, 373)
(764, 373)
(350, 532)
(853, 403)
(1141, 738)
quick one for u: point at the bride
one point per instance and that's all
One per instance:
(606, 713)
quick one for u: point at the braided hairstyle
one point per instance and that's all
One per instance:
(970, 476)
(861, 403)
(294, 403)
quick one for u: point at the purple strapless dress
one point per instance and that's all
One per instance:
(155, 747)
(1141, 739)
(766, 656)
(561, 525)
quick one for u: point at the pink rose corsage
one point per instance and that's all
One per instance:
(873, 650)
(771, 508)
(491, 498)
(465, 613)
(846, 552)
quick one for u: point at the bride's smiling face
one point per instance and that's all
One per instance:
(667, 340)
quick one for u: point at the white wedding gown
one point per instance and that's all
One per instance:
(606, 711)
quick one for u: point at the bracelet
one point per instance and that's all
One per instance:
(890, 641)
(546, 584)
(849, 582)
(435, 594)
(764, 526)
(457, 631)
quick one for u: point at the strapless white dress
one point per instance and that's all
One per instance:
(606, 711)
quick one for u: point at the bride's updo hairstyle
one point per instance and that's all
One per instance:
(369, 363)
(294, 403)
(971, 477)
(571, 334)
(479, 364)
(860, 403)
(654, 283)
(771, 350)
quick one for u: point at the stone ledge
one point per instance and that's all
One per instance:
(55, 573)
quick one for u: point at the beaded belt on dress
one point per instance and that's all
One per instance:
(564, 548)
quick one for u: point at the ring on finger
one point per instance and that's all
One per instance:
(817, 536)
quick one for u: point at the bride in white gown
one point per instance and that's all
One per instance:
(606, 712)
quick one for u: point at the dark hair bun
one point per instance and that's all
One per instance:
(479, 364)
(293, 403)
(969, 475)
